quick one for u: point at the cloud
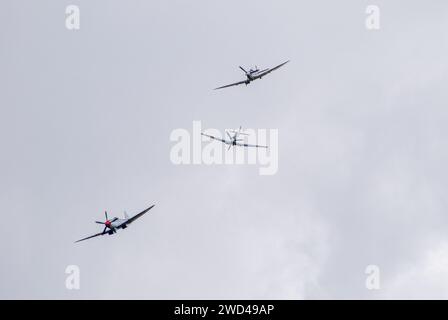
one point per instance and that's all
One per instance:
(426, 279)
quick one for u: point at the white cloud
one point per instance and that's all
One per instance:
(426, 278)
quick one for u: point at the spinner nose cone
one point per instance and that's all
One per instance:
(107, 223)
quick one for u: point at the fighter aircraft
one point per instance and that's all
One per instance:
(234, 141)
(253, 74)
(111, 226)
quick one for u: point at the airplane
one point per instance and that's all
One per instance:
(234, 141)
(115, 224)
(253, 74)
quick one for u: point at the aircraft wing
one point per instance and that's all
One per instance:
(231, 85)
(265, 72)
(219, 139)
(250, 145)
(130, 220)
(95, 235)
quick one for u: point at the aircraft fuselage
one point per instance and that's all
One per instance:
(253, 75)
(116, 224)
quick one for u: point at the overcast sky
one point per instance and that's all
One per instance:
(85, 121)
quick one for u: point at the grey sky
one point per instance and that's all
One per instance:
(85, 119)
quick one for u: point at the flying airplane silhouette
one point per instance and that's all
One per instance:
(253, 74)
(234, 140)
(111, 226)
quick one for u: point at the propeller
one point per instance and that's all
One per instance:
(106, 224)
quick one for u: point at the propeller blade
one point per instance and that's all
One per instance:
(229, 147)
(243, 69)
(99, 222)
(105, 212)
(229, 135)
(104, 230)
